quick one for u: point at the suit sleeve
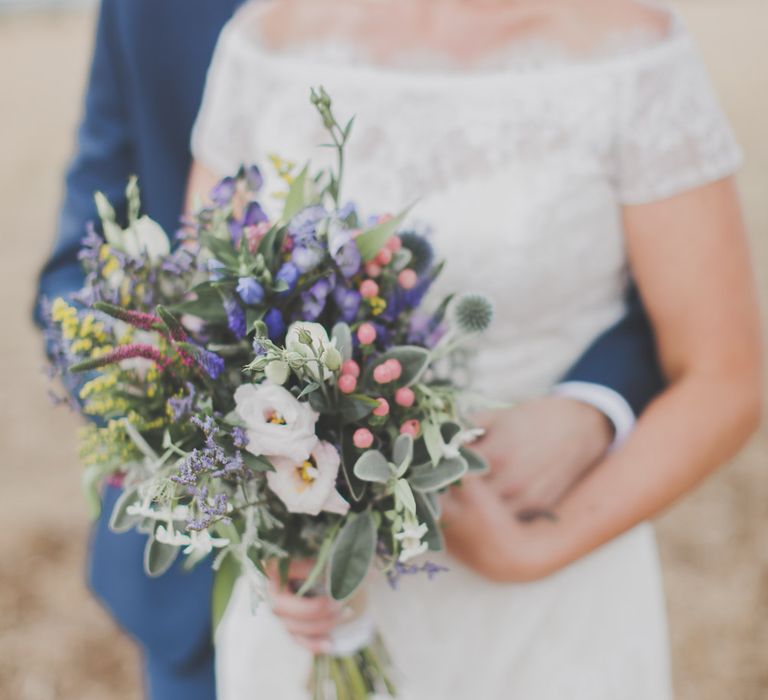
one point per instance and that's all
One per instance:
(623, 359)
(103, 160)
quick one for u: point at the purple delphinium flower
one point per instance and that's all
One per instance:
(254, 215)
(223, 192)
(289, 274)
(275, 324)
(348, 301)
(314, 299)
(216, 269)
(348, 258)
(235, 317)
(304, 224)
(347, 211)
(250, 291)
(253, 178)
(212, 364)
(307, 256)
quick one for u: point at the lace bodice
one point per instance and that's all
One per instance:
(521, 168)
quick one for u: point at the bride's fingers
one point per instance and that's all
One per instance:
(287, 605)
(321, 627)
(316, 645)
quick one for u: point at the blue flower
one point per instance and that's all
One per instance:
(253, 178)
(254, 215)
(250, 291)
(211, 363)
(275, 324)
(313, 300)
(235, 317)
(304, 224)
(223, 192)
(289, 274)
(216, 269)
(348, 259)
(348, 301)
(307, 256)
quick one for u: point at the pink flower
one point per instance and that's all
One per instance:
(362, 438)
(369, 289)
(395, 368)
(347, 383)
(309, 486)
(394, 243)
(407, 278)
(411, 427)
(382, 409)
(405, 397)
(366, 333)
(351, 367)
(372, 269)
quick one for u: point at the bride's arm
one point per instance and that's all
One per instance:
(690, 257)
(200, 182)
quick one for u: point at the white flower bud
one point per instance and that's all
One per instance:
(332, 358)
(277, 372)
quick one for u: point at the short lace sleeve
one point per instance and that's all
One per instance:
(223, 136)
(673, 134)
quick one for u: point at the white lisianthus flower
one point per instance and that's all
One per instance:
(277, 424)
(277, 371)
(463, 437)
(309, 486)
(321, 343)
(410, 539)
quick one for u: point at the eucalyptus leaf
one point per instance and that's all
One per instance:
(352, 555)
(372, 466)
(158, 557)
(433, 440)
(402, 452)
(413, 359)
(223, 584)
(446, 472)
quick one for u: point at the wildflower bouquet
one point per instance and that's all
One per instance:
(269, 391)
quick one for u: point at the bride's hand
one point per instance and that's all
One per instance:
(540, 448)
(481, 531)
(309, 620)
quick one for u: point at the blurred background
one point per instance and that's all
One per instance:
(55, 641)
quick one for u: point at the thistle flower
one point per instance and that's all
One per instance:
(473, 313)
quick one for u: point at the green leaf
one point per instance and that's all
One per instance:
(428, 478)
(343, 337)
(308, 389)
(223, 584)
(253, 314)
(296, 198)
(91, 483)
(120, 521)
(220, 248)
(370, 242)
(349, 455)
(424, 513)
(414, 361)
(257, 464)
(170, 322)
(404, 495)
(475, 463)
(355, 407)
(270, 245)
(433, 441)
(206, 305)
(372, 466)
(352, 555)
(158, 557)
(322, 558)
(402, 453)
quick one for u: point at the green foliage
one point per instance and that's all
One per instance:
(158, 557)
(371, 241)
(352, 555)
(373, 466)
(429, 478)
(223, 585)
(414, 361)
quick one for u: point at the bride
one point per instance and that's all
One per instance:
(557, 147)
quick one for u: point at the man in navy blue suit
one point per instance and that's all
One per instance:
(145, 87)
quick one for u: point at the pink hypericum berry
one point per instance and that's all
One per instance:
(405, 397)
(383, 373)
(362, 438)
(372, 269)
(382, 409)
(407, 278)
(394, 243)
(350, 367)
(395, 368)
(369, 289)
(411, 427)
(384, 257)
(366, 333)
(347, 383)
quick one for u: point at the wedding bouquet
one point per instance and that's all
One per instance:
(272, 390)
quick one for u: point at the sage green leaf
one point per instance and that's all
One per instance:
(224, 580)
(475, 463)
(402, 453)
(257, 464)
(413, 359)
(447, 471)
(343, 337)
(120, 520)
(91, 482)
(425, 514)
(433, 440)
(404, 495)
(355, 407)
(370, 242)
(158, 557)
(372, 466)
(352, 555)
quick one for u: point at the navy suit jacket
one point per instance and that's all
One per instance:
(145, 87)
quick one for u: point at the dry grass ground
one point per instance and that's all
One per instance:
(56, 643)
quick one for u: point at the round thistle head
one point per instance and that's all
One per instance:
(473, 313)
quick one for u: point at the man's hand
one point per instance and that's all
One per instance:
(540, 448)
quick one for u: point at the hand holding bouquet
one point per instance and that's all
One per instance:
(270, 391)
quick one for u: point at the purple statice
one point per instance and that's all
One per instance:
(313, 300)
(183, 405)
(399, 570)
(179, 262)
(90, 246)
(211, 510)
(235, 317)
(275, 324)
(249, 290)
(239, 438)
(288, 274)
(348, 302)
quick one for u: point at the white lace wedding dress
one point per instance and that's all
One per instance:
(522, 168)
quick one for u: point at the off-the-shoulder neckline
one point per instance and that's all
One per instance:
(249, 43)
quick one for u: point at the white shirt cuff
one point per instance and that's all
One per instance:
(608, 401)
